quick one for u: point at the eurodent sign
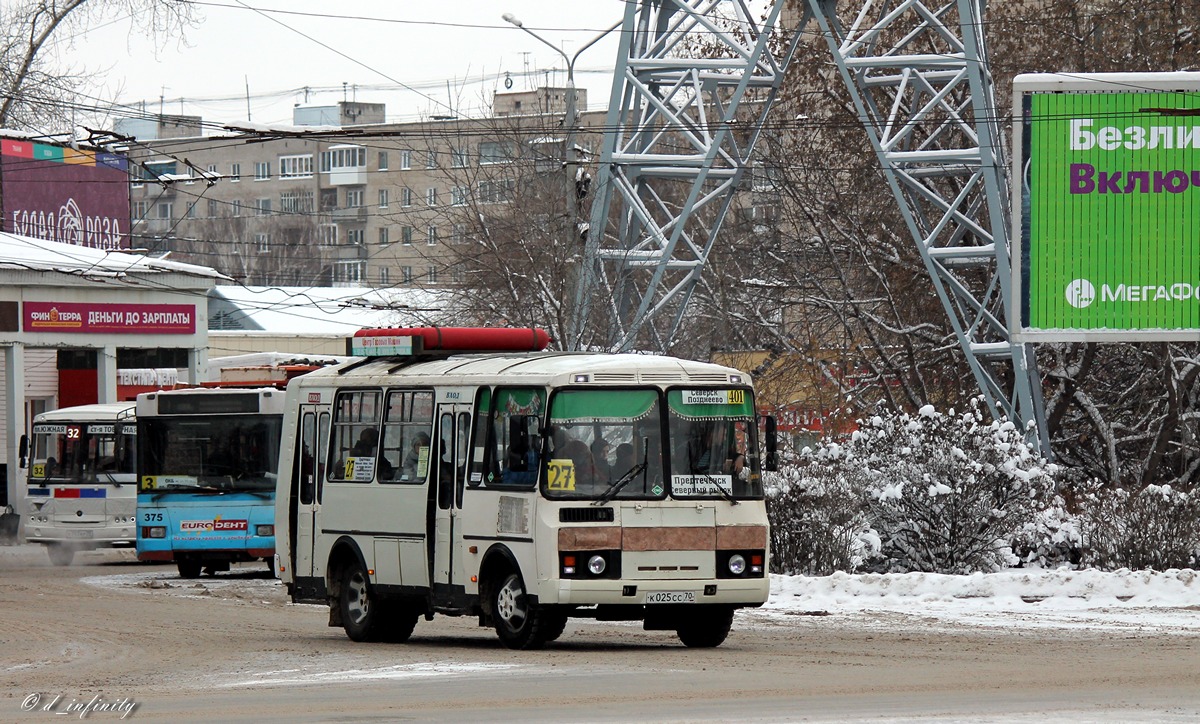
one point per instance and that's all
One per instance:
(63, 194)
(1106, 226)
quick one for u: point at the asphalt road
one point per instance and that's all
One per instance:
(109, 637)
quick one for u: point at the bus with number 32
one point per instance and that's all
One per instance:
(466, 472)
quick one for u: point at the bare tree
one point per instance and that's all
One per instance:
(35, 93)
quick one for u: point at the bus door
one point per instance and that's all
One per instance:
(451, 449)
(308, 477)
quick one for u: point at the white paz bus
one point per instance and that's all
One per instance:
(522, 487)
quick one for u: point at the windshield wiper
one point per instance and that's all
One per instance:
(619, 483)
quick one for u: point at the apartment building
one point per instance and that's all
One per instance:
(344, 198)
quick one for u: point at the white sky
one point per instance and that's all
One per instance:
(450, 54)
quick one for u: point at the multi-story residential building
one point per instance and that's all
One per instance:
(354, 200)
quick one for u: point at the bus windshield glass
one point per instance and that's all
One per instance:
(605, 444)
(82, 453)
(216, 452)
(713, 444)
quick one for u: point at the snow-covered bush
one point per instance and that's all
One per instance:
(818, 525)
(1052, 539)
(944, 492)
(1157, 527)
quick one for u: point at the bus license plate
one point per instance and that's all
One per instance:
(671, 597)
(79, 534)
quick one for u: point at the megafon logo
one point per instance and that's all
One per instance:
(207, 526)
(1081, 293)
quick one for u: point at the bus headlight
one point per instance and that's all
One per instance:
(264, 530)
(737, 564)
(154, 531)
(597, 564)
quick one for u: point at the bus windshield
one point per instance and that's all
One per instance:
(713, 444)
(605, 444)
(216, 452)
(82, 453)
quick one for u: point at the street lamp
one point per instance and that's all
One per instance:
(571, 121)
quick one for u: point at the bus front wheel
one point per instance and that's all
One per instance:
(360, 611)
(521, 623)
(706, 629)
(60, 555)
(189, 569)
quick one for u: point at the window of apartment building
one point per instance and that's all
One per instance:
(458, 196)
(296, 202)
(495, 152)
(299, 166)
(384, 197)
(431, 235)
(355, 236)
(236, 207)
(406, 235)
(191, 210)
(495, 192)
(212, 208)
(343, 157)
(458, 234)
(190, 173)
(384, 276)
(383, 236)
(431, 159)
(431, 274)
(262, 207)
(406, 159)
(138, 210)
(458, 158)
(152, 170)
(458, 275)
(431, 196)
(348, 272)
(235, 172)
(165, 210)
(329, 199)
(354, 198)
(383, 160)
(263, 243)
(262, 170)
(327, 234)
(406, 275)
(406, 196)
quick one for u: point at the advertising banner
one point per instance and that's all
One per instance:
(1108, 226)
(60, 317)
(66, 195)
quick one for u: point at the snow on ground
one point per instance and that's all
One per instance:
(1167, 601)
(1138, 601)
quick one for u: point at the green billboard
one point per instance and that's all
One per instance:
(1107, 244)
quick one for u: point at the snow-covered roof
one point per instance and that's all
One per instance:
(28, 253)
(320, 311)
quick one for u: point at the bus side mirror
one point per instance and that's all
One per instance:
(772, 461)
(23, 452)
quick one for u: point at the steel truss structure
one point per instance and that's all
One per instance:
(675, 153)
(920, 80)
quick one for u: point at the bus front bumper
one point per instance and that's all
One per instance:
(722, 591)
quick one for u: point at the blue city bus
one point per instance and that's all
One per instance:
(207, 464)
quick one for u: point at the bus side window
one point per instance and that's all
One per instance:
(304, 463)
(355, 436)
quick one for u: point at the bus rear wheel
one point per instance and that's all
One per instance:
(60, 555)
(706, 629)
(359, 610)
(521, 623)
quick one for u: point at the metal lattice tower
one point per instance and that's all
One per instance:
(679, 134)
(920, 80)
(918, 75)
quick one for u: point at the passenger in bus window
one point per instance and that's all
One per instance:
(581, 459)
(623, 460)
(600, 449)
(412, 462)
(365, 447)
